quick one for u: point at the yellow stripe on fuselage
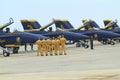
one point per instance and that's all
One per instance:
(12, 45)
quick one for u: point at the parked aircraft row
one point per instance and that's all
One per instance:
(100, 35)
(34, 31)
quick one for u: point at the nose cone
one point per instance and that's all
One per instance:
(107, 34)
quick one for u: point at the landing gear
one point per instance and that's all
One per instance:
(82, 44)
(8, 50)
(108, 42)
(6, 54)
(112, 43)
(86, 46)
(13, 49)
(104, 42)
(78, 44)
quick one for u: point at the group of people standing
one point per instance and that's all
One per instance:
(54, 46)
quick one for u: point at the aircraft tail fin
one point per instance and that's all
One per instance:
(106, 22)
(94, 24)
(109, 24)
(84, 26)
(90, 24)
(63, 24)
(30, 24)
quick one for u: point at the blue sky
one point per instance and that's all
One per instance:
(45, 10)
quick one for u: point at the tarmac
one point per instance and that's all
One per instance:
(101, 63)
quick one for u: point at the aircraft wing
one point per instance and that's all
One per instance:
(68, 35)
(102, 34)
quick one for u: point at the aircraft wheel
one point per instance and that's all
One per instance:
(104, 42)
(77, 44)
(5, 54)
(86, 46)
(112, 43)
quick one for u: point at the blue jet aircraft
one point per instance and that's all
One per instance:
(14, 40)
(109, 26)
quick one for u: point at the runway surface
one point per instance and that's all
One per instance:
(101, 63)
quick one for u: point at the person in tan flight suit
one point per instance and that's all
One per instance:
(48, 46)
(53, 46)
(63, 45)
(58, 44)
(43, 47)
(39, 47)
(56, 47)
